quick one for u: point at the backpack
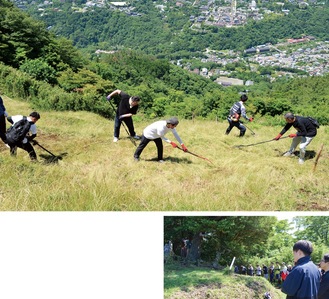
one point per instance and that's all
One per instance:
(314, 122)
(18, 131)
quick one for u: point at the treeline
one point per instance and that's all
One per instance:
(251, 239)
(51, 73)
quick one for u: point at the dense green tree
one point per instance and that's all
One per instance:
(313, 228)
(40, 70)
(221, 237)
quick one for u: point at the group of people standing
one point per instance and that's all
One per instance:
(304, 280)
(273, 273)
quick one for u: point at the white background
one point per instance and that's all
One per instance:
(77, 255)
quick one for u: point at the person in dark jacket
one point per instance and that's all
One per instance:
(25, 144)
(306, 131)
(3, 115)
(127, 107)
(304, 279)
(236, 111)
(324, 284)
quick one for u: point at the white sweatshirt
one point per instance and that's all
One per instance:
(158, 129)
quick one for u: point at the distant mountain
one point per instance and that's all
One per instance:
(170, 29)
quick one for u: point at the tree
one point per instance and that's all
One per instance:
(314, 229)
(221, 236)
(40, 70)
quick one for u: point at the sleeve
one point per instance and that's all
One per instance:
(2, 107)
(285, 128)
(177, 136)
(165, 139)
(9, 118)
(243, 112)
(292, 283)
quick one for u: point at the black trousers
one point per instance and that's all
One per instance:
(26, 147)
(144, 142)
(128, 121)
(236, 124)
(3, 127)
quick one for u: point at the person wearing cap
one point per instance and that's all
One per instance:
(25, 144)
(236, 111)
(3, 115)
(324, 283)
(306, 131)
(155, 132)
(304, 279)
(127, 107)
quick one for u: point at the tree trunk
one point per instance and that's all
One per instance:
(194, 252)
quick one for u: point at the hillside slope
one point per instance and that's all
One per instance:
(206, 283)
(97, 174)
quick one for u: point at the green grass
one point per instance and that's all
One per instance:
(99, 175)
(193, 282)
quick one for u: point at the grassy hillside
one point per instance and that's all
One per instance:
(205, 283)
(97, 174)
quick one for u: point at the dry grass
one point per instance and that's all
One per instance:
(97, 174)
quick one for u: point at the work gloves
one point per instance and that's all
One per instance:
(108, 98)
(278, 137)
(184, 148)
(174, 145)
(292, 135)
(34, 142)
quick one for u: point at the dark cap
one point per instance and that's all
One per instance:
(244, 97)
(173, 121)
(35, 115)
(289, 115)
(303, 245)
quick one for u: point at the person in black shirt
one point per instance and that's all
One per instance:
(265, 271)
(306, 131)
(324, 283)
(127, 107)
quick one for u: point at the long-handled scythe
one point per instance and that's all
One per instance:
(242, 145)
(195, 155)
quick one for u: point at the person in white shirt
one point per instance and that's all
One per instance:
(155, 132)
(25, 143)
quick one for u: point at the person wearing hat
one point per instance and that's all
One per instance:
(25, 143)
(3, 115)
(304, 279)
(155, 132)
(324, 284)
(306, 131)
(236, 111)
(127, 107)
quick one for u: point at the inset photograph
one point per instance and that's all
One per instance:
(268, 257)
